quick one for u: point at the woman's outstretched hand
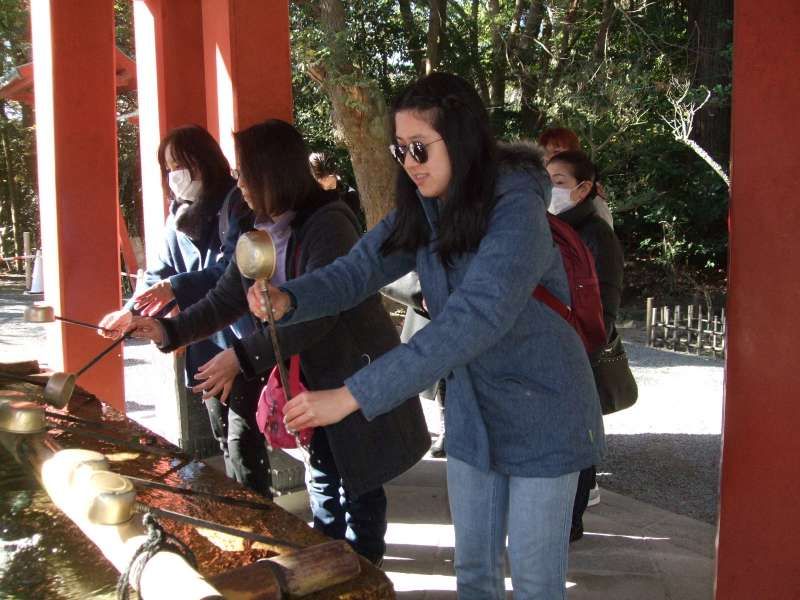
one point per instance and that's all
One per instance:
(281, 301)
(217, 375)
(317, 409)
(155, 298)
(148, 329)
(114, 324)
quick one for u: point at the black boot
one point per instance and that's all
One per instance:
(437, 448)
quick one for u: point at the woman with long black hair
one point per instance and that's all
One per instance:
(523, 416)
(352, 459)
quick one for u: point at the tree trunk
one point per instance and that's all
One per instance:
(526, 70)
(710, 37)
(601, 41)
(11, 187)
(530, 115)
(360, 116)
(437, 24)
(497, 90)
(479, 73)
(415, 51)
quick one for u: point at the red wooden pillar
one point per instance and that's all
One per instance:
(758, 552)
(171, 91)
(248, 65)
(73, 50)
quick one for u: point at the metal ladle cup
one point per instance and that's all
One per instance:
(43, 313)
(60, 386)
(57, 389)
(256, 257)
(39, 313)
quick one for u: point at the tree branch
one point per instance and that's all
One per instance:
(682, 121)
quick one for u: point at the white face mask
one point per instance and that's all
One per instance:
(561, 200)
(183, 186)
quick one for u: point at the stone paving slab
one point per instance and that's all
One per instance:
(630, 550)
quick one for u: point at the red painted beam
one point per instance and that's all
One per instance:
(248, 65)
(76, 143)
(758, 554)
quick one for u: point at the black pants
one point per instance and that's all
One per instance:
(339, 514)
(586, 481)
(234, 426)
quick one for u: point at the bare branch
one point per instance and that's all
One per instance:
(683, 111)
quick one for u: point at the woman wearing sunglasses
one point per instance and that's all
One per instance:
(522, 411)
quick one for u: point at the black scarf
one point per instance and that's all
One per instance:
(194, 218)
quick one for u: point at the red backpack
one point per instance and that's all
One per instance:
(585, 312)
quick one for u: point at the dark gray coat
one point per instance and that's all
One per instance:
(367, 453)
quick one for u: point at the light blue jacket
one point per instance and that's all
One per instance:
(521, 398)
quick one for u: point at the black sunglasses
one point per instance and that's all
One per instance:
(417, 150)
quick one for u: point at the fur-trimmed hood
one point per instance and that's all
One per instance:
(521, 155)
(526, 157)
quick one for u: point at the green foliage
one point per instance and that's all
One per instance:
(612, 90)
(562, 68)
(18, 205)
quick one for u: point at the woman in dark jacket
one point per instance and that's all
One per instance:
(311, 228)
(574, 179)
(206, 215)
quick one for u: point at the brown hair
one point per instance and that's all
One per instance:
(560, 136)
(273, 165)
(195, 149)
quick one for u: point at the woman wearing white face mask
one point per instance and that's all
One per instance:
(206, 215)
(574, 180)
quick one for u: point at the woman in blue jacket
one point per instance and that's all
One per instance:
(522, 412)
(206, 215)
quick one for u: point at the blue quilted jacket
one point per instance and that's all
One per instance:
(521, 399)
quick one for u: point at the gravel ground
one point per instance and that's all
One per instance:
(665, 450)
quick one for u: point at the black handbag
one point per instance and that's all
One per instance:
(612, 375)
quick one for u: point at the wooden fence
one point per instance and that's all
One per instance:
(694, 329)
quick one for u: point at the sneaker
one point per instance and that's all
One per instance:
(594, 496)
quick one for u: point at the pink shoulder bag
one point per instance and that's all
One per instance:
(269, 414)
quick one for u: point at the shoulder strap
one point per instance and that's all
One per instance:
(542, 294)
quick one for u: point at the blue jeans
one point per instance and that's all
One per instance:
(535, 512)
(339, 514)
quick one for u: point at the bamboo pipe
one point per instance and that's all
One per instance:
(166, 575)
(64, 473)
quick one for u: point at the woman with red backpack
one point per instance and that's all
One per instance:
(574, 179)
